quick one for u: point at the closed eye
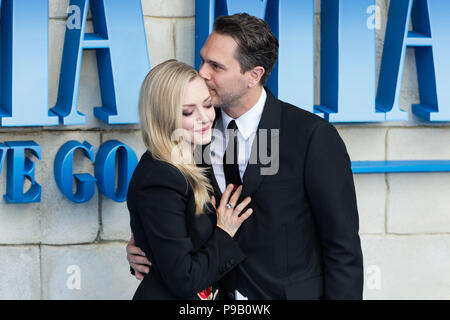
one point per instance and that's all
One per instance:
(216, 66)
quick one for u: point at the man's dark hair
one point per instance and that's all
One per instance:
(257, 45)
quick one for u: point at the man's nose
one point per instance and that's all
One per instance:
(203, 72)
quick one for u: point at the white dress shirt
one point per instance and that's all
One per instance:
(247, 125)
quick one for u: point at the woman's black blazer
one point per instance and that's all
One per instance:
(188, 252)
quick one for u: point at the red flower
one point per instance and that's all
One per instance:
(205, 294)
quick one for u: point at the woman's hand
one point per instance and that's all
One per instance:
(228, 217)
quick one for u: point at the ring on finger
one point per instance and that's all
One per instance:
(229, 206)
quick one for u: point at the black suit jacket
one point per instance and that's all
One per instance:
(302, 240)
(188, 252)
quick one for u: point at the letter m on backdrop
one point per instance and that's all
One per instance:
(296, 55)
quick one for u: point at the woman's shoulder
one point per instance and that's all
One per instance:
(153, 172)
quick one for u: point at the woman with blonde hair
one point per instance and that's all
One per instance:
(172, 217)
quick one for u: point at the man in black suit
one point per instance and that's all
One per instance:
(301, 241)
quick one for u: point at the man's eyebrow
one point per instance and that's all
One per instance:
(212, 62)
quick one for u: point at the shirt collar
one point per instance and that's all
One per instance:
(249, 121)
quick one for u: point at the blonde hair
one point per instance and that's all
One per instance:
(160, 110)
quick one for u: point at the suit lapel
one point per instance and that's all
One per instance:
(270, 119)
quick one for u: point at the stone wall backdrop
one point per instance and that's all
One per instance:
(404, 218)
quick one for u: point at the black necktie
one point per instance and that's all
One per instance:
(230, 165)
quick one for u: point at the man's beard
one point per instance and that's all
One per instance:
(226, 101)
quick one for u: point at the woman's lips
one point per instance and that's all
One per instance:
(204, 130)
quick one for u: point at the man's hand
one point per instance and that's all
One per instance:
(137, 260)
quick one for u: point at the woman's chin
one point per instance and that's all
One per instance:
(202, 139)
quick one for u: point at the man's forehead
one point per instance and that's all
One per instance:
(218, 46)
